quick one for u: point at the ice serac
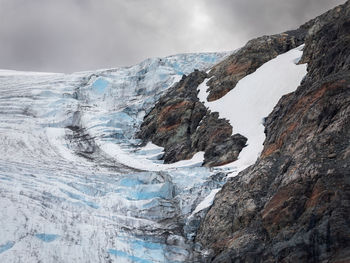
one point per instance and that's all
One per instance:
(293, 204)
(75, 187)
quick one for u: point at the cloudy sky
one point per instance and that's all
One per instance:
(75, 35)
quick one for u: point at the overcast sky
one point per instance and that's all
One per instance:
(75, 35)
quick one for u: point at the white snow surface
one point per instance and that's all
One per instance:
(207, 202)
(74, 184)
(144, 158)
(253, 99)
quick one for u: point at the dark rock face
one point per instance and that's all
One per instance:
(174, 117)
(225, 75)
(293, 204)
(225, 151)
(183, 126)
(175, 122)
(249, 58)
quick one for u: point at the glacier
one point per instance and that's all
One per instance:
(75, 184)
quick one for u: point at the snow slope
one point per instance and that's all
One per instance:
(253, 99)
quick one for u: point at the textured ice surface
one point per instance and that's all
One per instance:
(65, 193)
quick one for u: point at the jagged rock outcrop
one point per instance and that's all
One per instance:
(214, 136)
(225, 75)
(181, 124)
(293, 204)
(173, 122)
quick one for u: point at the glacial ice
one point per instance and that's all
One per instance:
(75, 185)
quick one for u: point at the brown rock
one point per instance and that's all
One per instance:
(183, 126)
(246, 60)
(293, 204)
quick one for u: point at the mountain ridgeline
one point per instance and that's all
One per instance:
(293, 204)
(250, 160)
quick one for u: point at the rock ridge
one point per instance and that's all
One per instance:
(293, 204)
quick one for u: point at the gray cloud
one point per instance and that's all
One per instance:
(253, 18)
(73, 35)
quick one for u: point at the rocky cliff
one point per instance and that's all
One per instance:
(293, 204)
(175, 122)
(183, 126)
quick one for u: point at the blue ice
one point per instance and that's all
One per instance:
(145, 192)
(47, 237)
(139, 244)
(145, 249)
(130, 182)
(177, 68)
(72, 195)
(208, 58)
(99, 85)
(119, 253)
(118, 118)
(92, 204)
(86, 189)
(80, 198)
(6, 246)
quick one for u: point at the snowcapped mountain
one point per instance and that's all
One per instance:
(131, 164)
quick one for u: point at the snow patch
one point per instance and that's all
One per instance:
(208, 201)
(140, 161)
(253, 99)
